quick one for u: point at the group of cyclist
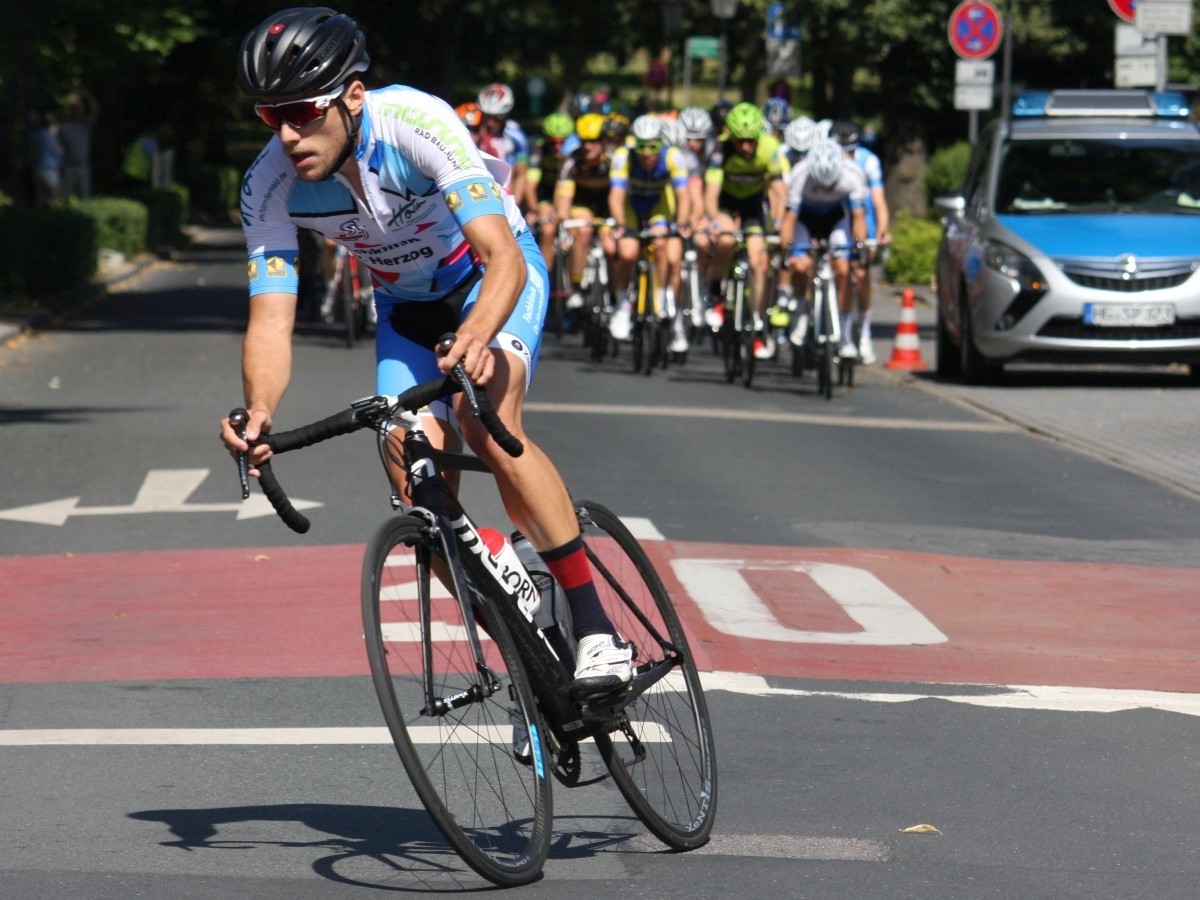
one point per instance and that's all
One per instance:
(711, 177)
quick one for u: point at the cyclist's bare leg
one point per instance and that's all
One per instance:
(627, 254)
(723, 247)
(760, 260)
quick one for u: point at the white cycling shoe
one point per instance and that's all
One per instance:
(603, 663)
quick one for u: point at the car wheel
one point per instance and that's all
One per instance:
(973, 367)
(949, 362)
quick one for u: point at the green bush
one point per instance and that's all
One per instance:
(45, 251)
(120, 223)
(913, 257)
(166, 211)
(946, 168)
(215, 189)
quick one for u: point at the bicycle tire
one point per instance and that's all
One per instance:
(673, 790)
(826, 363)
(494, 810)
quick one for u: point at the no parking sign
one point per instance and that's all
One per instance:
(975, 29)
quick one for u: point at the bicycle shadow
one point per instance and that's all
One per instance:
(384, 848)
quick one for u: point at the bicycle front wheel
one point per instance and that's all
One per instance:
(665, 766)
(455, 727)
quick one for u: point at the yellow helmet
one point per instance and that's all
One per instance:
(588, 126)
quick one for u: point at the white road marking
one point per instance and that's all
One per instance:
(649, 732)
(1023, 697)
(162, 491)
(745, 415)
(790, 846)
(731, 606)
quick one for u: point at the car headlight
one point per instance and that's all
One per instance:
(1019, 267)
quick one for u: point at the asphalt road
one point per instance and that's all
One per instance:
(1014, 661)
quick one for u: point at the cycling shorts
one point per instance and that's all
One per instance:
(833, 226)
(402, 362)
(748, 209)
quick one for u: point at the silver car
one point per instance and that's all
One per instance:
(1076, 237)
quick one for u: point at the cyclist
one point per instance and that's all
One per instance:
(496, 101)
(393, 175)
(701, 142)
(798, 138)
(649, 192)
(777, 112)
(846, 133)
(545, 161)
(615, 132)
(582, 193)
(744, 190)
(825, 202)
(471, 116)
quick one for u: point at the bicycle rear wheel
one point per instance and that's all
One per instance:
(493, 809)
(673, 786)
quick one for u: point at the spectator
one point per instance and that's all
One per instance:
(138, 166)
(47, 161)
(76, 135)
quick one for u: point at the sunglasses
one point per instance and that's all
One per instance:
(647, 146)
(296, 113)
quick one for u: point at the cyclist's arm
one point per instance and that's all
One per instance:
(858, 223)
(777, 198)
(266, 366)
(712, 197)
(882, 217)
(616, 204)
(504, 273)
(564, 193)
(787, 228)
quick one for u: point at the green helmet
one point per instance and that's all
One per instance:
(744, 122)
(558, 125)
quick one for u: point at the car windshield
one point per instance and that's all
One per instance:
(1094, 175)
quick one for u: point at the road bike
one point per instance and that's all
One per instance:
(822, 339)
(595, 287)
(351, 296)
(464, 673)
(740, 325)
(652, 308)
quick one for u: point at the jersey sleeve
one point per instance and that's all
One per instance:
(272, 244)
(618, 173)
(441, 148)
(677, 168)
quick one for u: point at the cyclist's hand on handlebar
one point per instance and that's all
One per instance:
(472, 352)
(257, 424)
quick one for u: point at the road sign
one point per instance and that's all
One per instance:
(974, 72)
(975, 29)
(1135, 71)
(1123, 8)
(972, 96)
(704, 47)
(1163, 16)
(1128, 41)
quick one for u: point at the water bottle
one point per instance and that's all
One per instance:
(553, 614)
(511, 572)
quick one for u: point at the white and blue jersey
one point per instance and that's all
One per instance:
(873, 171)
(423, 179)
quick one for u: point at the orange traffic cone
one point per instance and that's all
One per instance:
(906, 353)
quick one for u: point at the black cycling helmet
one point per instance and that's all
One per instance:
(845, 133)
(301, 52)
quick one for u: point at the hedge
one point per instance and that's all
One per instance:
(215, 189)
(946, 168)
(45, 251)
(167, 210)
(120, 223)
(913, 257)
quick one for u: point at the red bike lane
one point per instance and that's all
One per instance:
(857, 615)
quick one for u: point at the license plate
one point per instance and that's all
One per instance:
(1129, 315)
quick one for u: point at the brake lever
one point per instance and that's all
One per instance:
(238, 419)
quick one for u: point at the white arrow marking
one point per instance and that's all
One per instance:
(163, 491)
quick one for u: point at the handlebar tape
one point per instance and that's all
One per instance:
(291, 517)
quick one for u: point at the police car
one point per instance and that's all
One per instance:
(1075, 237)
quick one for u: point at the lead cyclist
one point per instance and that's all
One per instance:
(394, 176)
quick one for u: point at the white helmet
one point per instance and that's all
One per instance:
(825, 161)
(696, 122)
(674, 132)
(824, 127)
(801, 134)
(646, 128)
(496, 100)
